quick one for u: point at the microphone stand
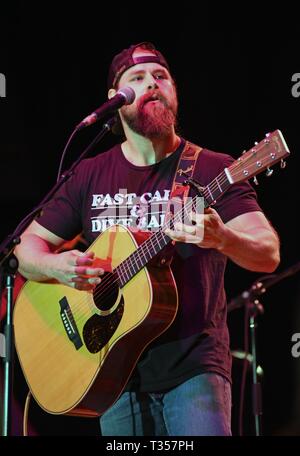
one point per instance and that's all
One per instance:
(255, 308)
(8, 270)
(249, 299)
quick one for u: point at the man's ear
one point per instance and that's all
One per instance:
(111, 93)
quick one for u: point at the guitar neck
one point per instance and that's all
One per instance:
(141, 257)
(155, 243)
(216, 188)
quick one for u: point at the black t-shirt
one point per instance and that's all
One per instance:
(108, 189)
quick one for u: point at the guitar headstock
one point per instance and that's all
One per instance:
(264, 154)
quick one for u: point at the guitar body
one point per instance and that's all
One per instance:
(77, 349)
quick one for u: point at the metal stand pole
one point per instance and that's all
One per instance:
(9, 268)
(256, 385)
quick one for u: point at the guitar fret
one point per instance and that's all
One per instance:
(137, 258)
(165, 240)
(216, 186)
(140, 259)
(219, 186)
(148, 251)
(120, 273)
(126, 272)
(129, 262)
(130, 268)
(144, 255)
(132, 263)
(151, 241)
(155, 243)
(210, 193)
(117, 271)
(215, 193)
(159, 244)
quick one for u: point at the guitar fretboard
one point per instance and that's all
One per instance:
(155, 243)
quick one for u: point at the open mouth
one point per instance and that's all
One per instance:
(152, 99)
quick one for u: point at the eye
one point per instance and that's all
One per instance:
(160, 76)
(138, 77)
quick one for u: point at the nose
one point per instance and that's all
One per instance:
(151, 82)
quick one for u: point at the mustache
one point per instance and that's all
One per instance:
(152, 95)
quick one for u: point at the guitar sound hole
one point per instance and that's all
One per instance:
(106, 293)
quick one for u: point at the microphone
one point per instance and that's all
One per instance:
(123, 97)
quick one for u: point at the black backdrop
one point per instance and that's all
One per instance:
(235, 85)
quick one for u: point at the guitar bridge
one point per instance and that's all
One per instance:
(69, 323)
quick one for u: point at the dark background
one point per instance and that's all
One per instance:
(234, 83)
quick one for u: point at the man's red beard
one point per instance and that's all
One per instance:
(152, 118)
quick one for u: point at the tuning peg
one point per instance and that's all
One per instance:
(269, 172)
(266, 141)
(282, 163)
(255, 143)
(255, 180)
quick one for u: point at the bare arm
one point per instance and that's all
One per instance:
(248, 240)
(251, 242)
(38, 260)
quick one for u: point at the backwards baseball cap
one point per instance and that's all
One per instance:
(124, 60)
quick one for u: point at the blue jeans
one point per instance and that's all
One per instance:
(199, 406)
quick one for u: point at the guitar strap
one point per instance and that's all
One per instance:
(186, 164)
